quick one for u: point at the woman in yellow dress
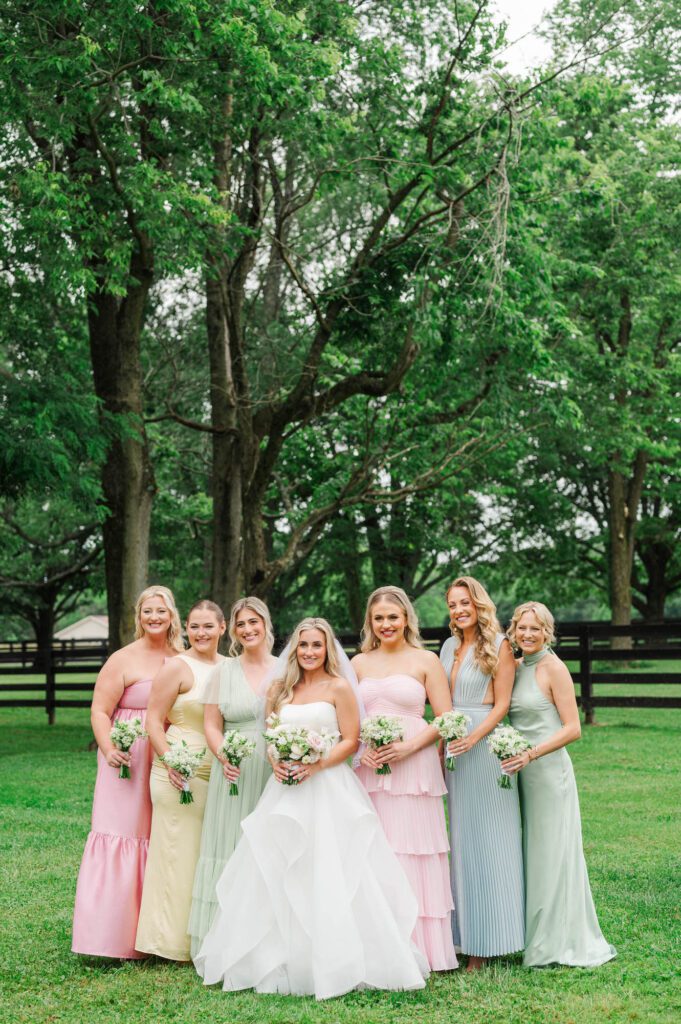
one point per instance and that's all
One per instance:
(176, 828)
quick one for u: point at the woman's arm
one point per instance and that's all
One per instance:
(109, 688)
(165, 689)
(213, 726)
(563, 696)
(504, 677)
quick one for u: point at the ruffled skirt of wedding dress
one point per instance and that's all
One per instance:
(313, 901)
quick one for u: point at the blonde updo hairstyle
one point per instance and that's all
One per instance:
(261, 610)
(281, 691)
(174, 638)
(543, 616)
(396, 596)
(485, 652)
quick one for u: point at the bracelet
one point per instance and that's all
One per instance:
(533, 754)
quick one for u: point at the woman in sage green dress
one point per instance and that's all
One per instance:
(560, 919)
(232, 702)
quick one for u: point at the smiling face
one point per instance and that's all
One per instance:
(530, 636)
(204, 630)
(154, 616)
(311, 650)
(388, 622)
(462, 611)
(249, 628)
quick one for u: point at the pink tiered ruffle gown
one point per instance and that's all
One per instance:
(410, 807)
(109, 890)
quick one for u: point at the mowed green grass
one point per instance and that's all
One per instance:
(628, 775)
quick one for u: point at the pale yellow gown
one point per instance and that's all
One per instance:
(175, 832)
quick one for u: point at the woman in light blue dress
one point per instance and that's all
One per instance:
(560, 918)
(484, 820)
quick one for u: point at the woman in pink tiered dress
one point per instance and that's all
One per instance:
(109, 887)
(396, 676)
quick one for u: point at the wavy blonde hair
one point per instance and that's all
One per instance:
(397, 596)
(261, 610)
(174, 638)
(485, 653)
(281, 691)
(544, 618)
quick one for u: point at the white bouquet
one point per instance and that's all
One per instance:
(296, 743)
(236, 748)
(505, 742)
(453, 725)
(186, 762)
(123, 734)
(379, 730)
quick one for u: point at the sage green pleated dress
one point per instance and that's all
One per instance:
(240, 710)
(560, 919)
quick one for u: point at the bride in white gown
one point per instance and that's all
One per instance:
(313, 900)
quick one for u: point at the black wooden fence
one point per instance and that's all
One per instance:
(591, 648)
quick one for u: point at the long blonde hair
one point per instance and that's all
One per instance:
(281, 691)
(543, 616)
(174, 638)
(261, 610)
(398, 597)
(485, 653)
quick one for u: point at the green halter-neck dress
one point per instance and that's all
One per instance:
(560, 919)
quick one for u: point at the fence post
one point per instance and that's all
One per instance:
(585, 672)
(49, 685)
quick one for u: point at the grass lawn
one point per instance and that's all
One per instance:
(629, 781)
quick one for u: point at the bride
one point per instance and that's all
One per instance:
(313, 901)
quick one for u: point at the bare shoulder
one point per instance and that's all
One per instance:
(428, 659)
(359, 662)
(340, 687)
(556, 670)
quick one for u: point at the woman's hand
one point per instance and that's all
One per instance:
(281, 770)
(370, 759)
(458, 747)
(301, 772)
(115, 757)
(514, 764)
(394, 752)
(175, 779)
(230, 771)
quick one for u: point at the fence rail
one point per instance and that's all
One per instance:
(591, 647)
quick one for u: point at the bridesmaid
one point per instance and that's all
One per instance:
(109, 886)
(232, 703)
(176, 696)
(560, 919)
(396, 677)
(484, 820)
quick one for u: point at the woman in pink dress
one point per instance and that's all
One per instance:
(396, 676)
(109, 887)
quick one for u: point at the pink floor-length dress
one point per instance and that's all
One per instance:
(109, 889)
(410, 807)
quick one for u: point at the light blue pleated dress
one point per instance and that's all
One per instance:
(485, 831)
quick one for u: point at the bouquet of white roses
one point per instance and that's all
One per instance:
(236, 748)
(505, 742)
(297, 743)
(452, 725)
(123, 734)
(186, 762)
(379, 730)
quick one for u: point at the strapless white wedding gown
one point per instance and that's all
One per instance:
(313, 900)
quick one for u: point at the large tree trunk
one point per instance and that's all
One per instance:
(115, 328)
(624, 496)
(226, 479)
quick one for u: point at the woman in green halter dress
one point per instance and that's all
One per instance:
(233, 701)
(560, 919)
